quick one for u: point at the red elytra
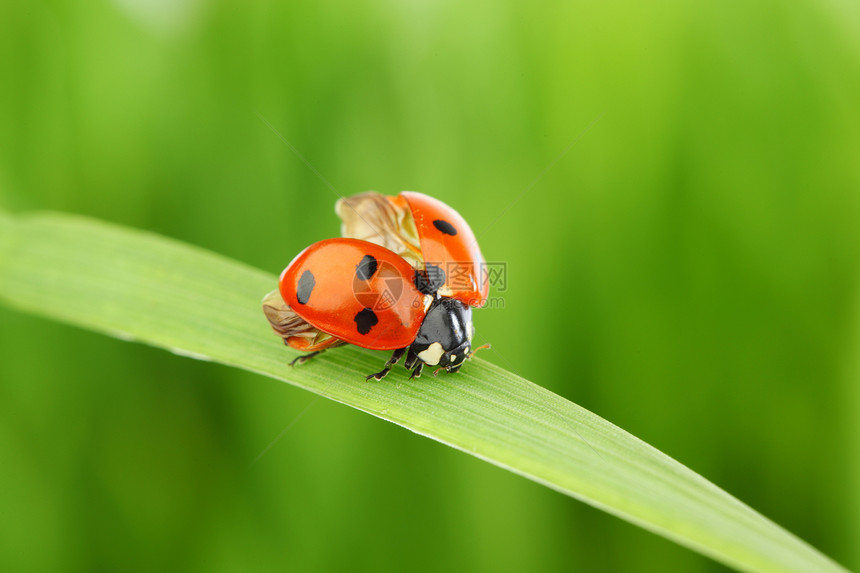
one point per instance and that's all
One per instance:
(356, 291)
(448, 242)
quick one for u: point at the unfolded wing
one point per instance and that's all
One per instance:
(382, 220)
(295, 331)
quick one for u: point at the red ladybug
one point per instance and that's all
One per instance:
(403, 277)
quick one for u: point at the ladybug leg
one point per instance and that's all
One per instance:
(304, 358)
(395, 356)
(416, 373)
(414, 363)
(411, 359)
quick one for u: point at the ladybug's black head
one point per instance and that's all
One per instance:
(445, 336)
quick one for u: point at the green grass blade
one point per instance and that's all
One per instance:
(157, 291)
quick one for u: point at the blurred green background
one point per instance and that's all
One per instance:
(687, 270)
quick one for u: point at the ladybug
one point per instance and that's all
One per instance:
(404, 277)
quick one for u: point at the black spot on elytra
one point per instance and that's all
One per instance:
(430, 279)
(366, 268)
(306, 287)
(445, 227)
(365, 320)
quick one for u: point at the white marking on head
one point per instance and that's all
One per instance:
(453, 358)
(428, 300)
(432, 354)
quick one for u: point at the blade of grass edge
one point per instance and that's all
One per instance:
(143, 287)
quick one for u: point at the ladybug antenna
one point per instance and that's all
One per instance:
(483, 346)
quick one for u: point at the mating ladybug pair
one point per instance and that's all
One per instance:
(403, 277)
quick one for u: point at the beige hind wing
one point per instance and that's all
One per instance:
(295, 331)
(382, 220)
